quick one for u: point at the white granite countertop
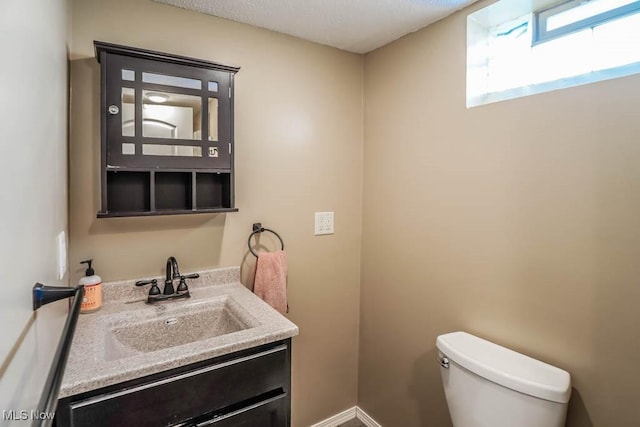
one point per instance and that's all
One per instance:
(97, 360)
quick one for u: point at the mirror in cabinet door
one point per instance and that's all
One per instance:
(167, 115)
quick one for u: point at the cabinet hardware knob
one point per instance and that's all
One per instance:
(113, 109)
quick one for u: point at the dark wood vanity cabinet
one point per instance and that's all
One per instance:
(167, 133)
(250, 388)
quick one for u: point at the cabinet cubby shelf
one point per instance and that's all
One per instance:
(161, 192)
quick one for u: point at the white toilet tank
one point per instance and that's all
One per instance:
(488, 385)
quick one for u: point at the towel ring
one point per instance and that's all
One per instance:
(257, 229)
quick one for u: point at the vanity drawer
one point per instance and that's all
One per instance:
(268, 413)
(186, 394)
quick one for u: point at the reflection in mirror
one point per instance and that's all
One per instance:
(161, 79)
(213, 119)
(128, 148)
(128, 117)
(159, 129)
(171, 115)
(171, 150)
(128, 75)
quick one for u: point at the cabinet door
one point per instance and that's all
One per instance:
(160, 114)
(269, 413)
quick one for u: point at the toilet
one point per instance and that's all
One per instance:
(487, 385)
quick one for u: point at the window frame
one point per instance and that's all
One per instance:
(541, 35)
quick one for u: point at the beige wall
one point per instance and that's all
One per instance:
(298, 110)
(517, 221)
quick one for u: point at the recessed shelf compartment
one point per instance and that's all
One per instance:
(212, 190)
(128, 192)
(173, 191)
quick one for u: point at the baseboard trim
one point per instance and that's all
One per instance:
(338, 419)
(348, 415)
(366, 419)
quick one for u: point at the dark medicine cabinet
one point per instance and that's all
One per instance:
(167, 133)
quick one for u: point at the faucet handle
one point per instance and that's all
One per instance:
(155, 290)
(182, 286)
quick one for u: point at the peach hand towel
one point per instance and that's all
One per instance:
(271, 279)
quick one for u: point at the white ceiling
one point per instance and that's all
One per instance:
(355, 25)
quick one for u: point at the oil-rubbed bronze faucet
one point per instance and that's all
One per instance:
(172, 267)
(172, 272)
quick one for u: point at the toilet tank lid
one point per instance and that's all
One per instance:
(506, 367)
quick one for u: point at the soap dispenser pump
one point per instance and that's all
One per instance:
(92, 299)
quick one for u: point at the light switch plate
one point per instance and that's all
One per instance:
(324, 223)
(62, 254)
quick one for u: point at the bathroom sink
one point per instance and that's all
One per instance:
(165, 329)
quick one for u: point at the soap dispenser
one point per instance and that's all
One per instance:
(92, 300)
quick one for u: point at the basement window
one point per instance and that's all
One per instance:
(514, 52)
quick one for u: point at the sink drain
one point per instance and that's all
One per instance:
(171, 321)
